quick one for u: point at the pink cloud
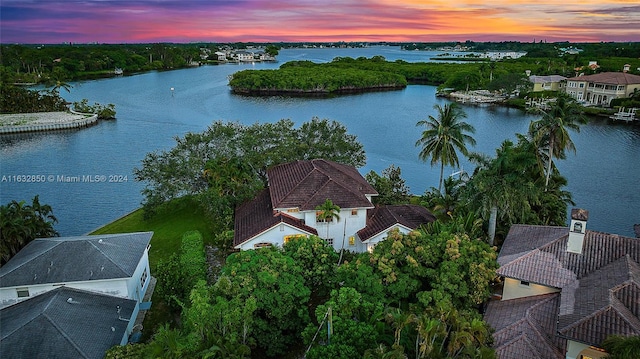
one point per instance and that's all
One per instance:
(114, 21)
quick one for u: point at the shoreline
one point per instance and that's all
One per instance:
(44, 121)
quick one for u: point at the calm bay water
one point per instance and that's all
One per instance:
(603, 175)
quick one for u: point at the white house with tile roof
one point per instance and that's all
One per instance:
(287, 208)
(565, 291)
(113, 264)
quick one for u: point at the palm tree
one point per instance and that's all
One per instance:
(21, 223)
(326, 212)
(620, 347)
(444, 135)
(552, 130)
(502, 183)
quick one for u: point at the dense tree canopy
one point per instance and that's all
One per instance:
(226, 164)
(390, 185)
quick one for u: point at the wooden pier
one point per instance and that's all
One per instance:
(626, 116)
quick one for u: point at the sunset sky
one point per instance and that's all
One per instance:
(137, 21)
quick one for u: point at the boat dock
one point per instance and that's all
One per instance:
(626, 116)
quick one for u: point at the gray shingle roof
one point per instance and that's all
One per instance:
(64, 323)
(71, 259)
(382, 218)
(600, 287)
(307, 184)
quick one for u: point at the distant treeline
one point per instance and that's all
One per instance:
(41, 64)
(54, 63)
(345, 74)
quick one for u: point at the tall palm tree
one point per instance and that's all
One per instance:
(326, 212)
(552, 130)
(444, 135)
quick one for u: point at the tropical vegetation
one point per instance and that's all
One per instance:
(21, 223)
(444, 136)
(226, 164)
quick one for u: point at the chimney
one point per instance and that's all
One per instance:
(626, 68)
(577, 229)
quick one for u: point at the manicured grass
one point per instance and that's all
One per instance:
(168, 225)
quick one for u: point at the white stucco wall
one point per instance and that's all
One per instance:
(134, 289)
(344, 228)
(274, 235)
(114, 287)
(575, 350)
(513, 288)
(373, 241)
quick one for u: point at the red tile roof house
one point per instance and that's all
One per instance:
(287, 208)
(565, 291)
(600, 89)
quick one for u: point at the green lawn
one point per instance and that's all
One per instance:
(168, 225)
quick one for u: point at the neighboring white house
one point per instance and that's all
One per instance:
(77, 295)
(287, 208)
(565, 291)
(114, 264)
(243, 56)
(221, 56)
(66, 323)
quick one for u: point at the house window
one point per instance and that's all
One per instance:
(289, 237)
(261, 245)
(352, 241)
(293, 210)
(524, 283)
(329, 241)
(22, 292)
(354, 212)
(143, 278)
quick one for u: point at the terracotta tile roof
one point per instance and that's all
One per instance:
(381, 218)
(600, 288)
(307, 184)
(612, 78)
(256, 216)
(526, 326)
